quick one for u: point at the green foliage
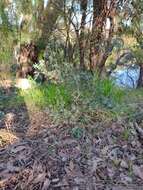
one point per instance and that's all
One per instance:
(71, 95)
(77, 132)
(78, 99)
(5, 55)
(83, 99)
(91, 95)
(55, 50)
(104, 92)
(5, 47)
(1, 115)
(47, 96)
(55, 62)
(126, 134)
(118, 44)
(138, 52)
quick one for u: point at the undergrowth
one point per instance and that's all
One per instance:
(51, 95)
(81, 98)
(10, 100)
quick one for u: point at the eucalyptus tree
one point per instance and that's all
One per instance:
(7, 32)
(47, 17)
(76, 16)
(137, 29)
(134, 15)
(102, 32)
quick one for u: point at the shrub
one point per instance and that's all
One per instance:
(104, 92)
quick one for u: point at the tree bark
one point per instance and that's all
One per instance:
(100, 46)
(28, 56)
(82, 33)
(140, 81)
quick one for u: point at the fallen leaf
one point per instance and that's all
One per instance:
(138, 171)
(46, 184)
(125, 179)
(71, 165)
(17, 149)
(56, 180)
(124, 164)
(12, 168)
(40, 178)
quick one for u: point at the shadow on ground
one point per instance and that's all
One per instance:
(13, 112)
(39, 155)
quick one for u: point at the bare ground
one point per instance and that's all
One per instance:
(36, 154)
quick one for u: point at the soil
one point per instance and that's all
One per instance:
(37, 154)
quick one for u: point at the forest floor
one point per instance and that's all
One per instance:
(37, 154)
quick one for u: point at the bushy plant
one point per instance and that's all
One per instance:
(106, 92)
(42, 72)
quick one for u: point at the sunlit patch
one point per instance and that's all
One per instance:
(5, 83)
(7, 137)
(23, 84)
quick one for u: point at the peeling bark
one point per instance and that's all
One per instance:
(82, 34)
(28, 55)
(100, 46)
(140, 81)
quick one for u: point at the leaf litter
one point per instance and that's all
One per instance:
(47, 156)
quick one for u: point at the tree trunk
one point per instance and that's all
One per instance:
(100, 46)
(96, 36)
(28, 56)
(140, 81)
(82, 34)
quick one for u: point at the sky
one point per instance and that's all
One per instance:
(45, 2)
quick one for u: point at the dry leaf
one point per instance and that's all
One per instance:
(12, 168)
(71, 165)
(138, 171)
(56, 180)
(17, 149)
(40, 178)
(124, 164)
(46, 184)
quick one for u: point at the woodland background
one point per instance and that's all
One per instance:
(66, 122)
